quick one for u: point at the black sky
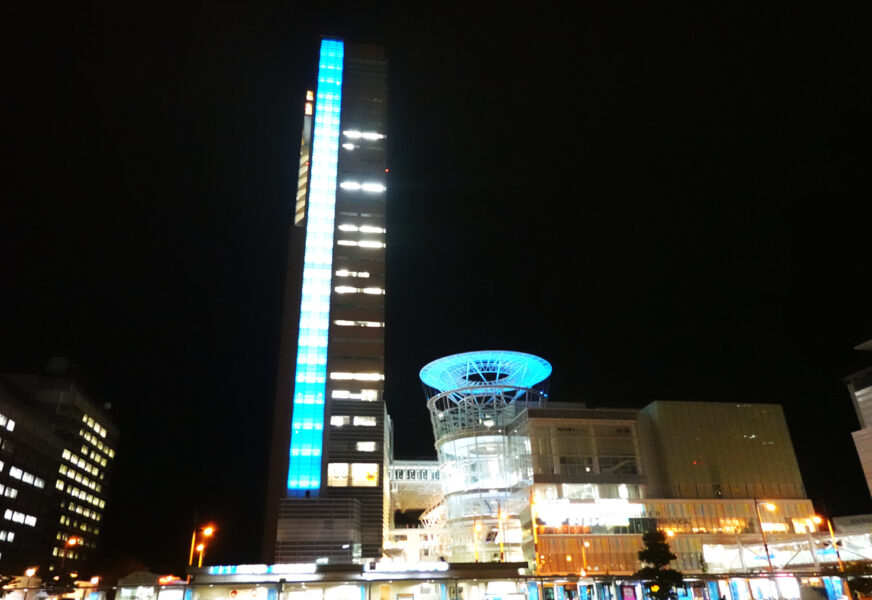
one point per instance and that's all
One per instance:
(666, 202)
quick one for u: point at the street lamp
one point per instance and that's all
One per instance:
(771, 508)
(820, 520)
(205, 532)
(476, 531)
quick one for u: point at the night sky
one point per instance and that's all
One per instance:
(665, 202)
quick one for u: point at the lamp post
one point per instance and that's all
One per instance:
(771, 508)
(476, 530)
(205, 533)
(68, 548)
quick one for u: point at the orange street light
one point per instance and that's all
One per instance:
(30, 572)
(770, 507)
(817, 520)
(208, 530)
(201, 548)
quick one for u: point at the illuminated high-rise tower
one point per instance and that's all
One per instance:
(326, 495)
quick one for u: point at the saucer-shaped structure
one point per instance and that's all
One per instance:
(485, 368)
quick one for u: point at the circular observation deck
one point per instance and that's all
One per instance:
(484, 368)
(481, 392)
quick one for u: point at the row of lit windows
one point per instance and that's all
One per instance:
(77, 493)
(7, 536)
(357, 421)
(72, 474)
(347, 289)
(352, 475)
(100, 460)
(372, 187)
(344, 323)
(17, 517)
(26, 477)
(80, 462)
(7, 422)
(90, 422)
(97, 442)
(361, 243)
(64, 553)
(81, 510)
(361, 228)
(7, 491)
(354, 134)
(341, 376)
(347, 273)
(365, 395)
(415, 474)
(65, 520)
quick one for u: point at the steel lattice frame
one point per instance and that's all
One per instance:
(472, 399)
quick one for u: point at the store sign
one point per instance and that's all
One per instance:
(608, 513)
(293, 568)
(405, 567)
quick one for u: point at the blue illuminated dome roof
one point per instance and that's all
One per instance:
(485, 368)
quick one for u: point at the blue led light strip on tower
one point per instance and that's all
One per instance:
(310, 383)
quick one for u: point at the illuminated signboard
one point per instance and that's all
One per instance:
(307, 422)
(609, 513)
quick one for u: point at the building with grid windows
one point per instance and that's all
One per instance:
(327, 494)
(57, 451)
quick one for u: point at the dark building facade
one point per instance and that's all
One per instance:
(56, 458)
(327, 490)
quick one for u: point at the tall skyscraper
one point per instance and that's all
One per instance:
(327, 490)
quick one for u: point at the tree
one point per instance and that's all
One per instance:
(658, 578)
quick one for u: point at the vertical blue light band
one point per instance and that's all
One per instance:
(310, 383)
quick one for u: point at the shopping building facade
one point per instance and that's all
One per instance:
(328, 490)
(571, 490)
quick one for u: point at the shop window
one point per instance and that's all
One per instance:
(337, 474)
(364, 474)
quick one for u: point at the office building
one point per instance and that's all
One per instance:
(56, 459)
(327, 495)
(860, 388)
(571, 490)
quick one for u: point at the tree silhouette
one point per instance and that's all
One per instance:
(660, 581)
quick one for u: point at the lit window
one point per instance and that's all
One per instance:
(344, 289)
(364, 421)
(347, 273)
(370, 244)
(365, 446)
(364, 474)
(337, 474)
(27, 478)
(354, 134)
(348, 146)
(15, 472)
(374, 291)
(59, 485)
(10, 425)
(340, 420)
(357, 376)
